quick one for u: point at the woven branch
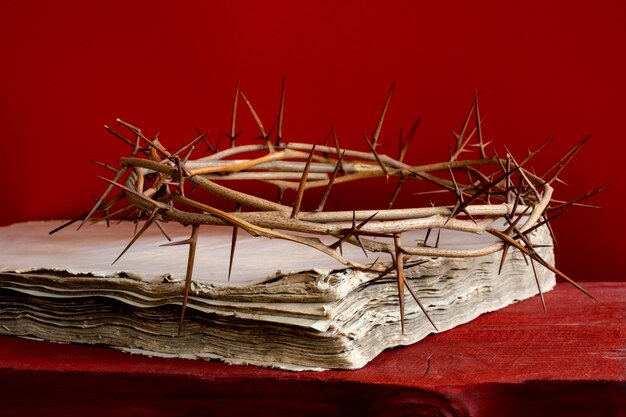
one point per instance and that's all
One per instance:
(497, 188)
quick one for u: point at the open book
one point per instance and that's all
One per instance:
(285, 306)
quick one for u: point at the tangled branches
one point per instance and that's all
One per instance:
(159, 185)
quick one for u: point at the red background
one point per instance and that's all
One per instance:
(543, 69)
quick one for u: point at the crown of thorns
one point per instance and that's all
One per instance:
(152, 188)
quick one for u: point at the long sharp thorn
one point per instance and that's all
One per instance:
(233, 243)
(523, 249)
(257, 120)
(135, 193)
(373, 150)
(531, 249)
(395, 193)
(107, 213)
(302, 186)
(487, 187)
(176, 243)
(234, 119)
(409, 138)
(330, 132)
(573, 202)
(479, 132)
(352, 231)
(460, 144)
(421, 306)
(505, 250)
(191, 143)
(331, 181)
(103, 196)
(531, 154)
(383, 274)
(427, 235)
(358, 239)
(379, 125)
(108, 204)
(459, 198)
(279, 130)
(103, 165)
(543, 302)
(149, 221)
(119, 136)
(154, 143)
(399, 262)
(545, 221)
(68, 223)
(438, 236)
(162, 229)
(193, 241)
(562, 163)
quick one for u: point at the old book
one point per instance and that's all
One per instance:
(285, 306)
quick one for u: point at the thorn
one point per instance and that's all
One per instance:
(68, 223)
(102, 164)
(331, 181)
(408, 286)
(399, 262)
(302, 186)
(358, 239)
(535, 256)
(162, 229)
(155, 143)
(405, 146)
(373, 150)
(233, 243)
(379, 125)
(543, 302)
(135, 193)
(531, 154)
(336, 141)
(119, 136)
(505, 250)
(573, 202)
(351, 232)
(234, 118)
(543, 222)
(103, 196)
(484, 189)
(191, 143)
(459, 136)
(481, 145)
(459, 198)
(193, 241)
(109, 204)
(257, 120)
(562, 163)
(149, 221)
(279, 131)
(396, 193)
(427, 235)
(330, 132)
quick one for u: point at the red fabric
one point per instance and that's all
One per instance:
(543, 69)
(516, 361)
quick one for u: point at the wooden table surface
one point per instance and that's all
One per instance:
(517, 361)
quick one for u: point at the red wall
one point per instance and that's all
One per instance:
(542, 69)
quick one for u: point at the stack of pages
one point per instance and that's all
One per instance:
(285, 305)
